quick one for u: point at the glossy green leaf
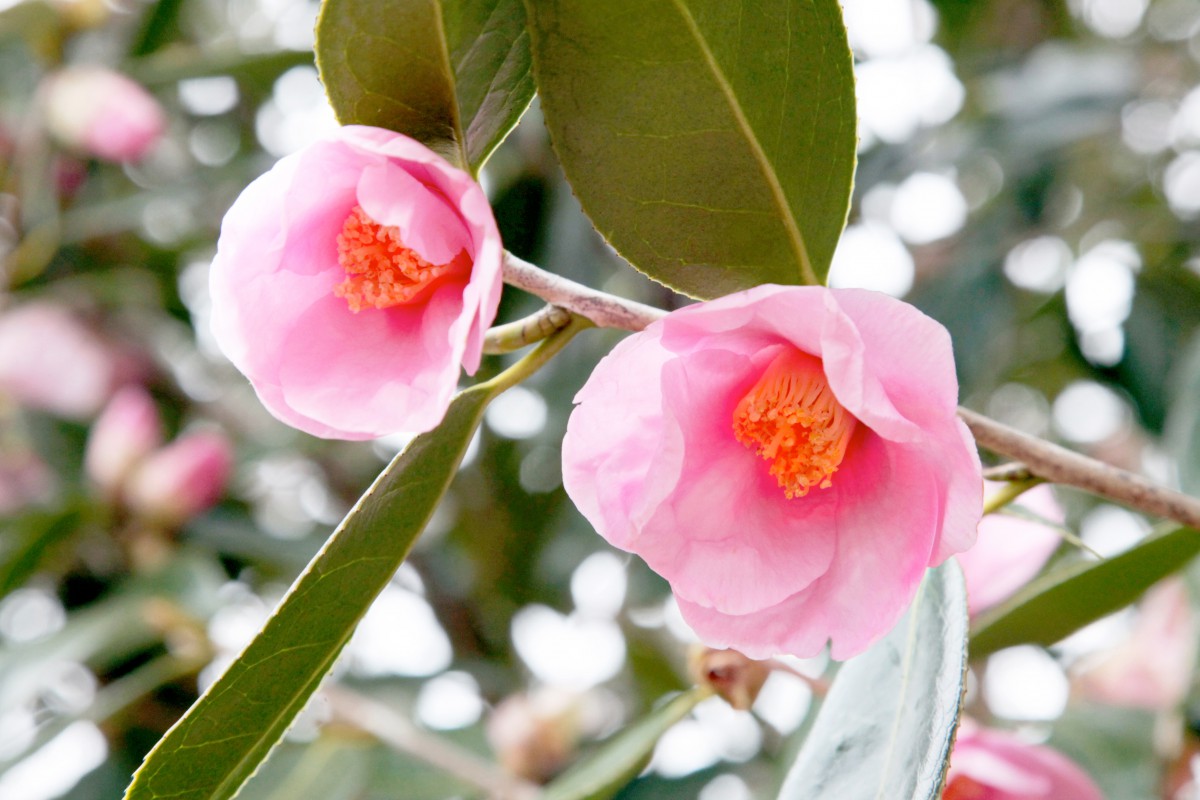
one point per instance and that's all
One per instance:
(623, 756)
(453, 74)
(711, 142)
(1063, 600)
(887, 725)
(221, 740)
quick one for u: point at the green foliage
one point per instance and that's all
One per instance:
(887, 726)
(1183, 425)
(1065, 599)
(623, 756)
(453, 74)
(711, 144)
(219, 743)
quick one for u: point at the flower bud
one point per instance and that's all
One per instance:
(127, 432)
(51, 361)
(182, 479)
(730, 674)
(1152, 669)
(535, 734)
(102, 113)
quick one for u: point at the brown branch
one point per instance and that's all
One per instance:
(603, 309)
(1038, 458)
(1060, 465)
(394, 730)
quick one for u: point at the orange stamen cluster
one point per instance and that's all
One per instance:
(380, 270)
(791, 418)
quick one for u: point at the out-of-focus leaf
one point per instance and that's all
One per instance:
(453, 74)
(887, 726)
(1115, 746)
(182, 63)
(111, 629)
(1063, 600)
(1183, 423)
(222, 739)
(327, 768)
(29, 540)
(713, 145)
(37, 23)
(624, 755)
(159, 25)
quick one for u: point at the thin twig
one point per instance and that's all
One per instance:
(394, 730)
(1008, 493)
(524, 332)
(605, 310)
(1012, 471)
(1060, 465)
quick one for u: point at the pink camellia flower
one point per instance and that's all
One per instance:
(352, 281)
(52, 361)
(1153, 668)
(788, 458)
(102, 113)
(182, 479)
(994, 765)
(126, 432)
(1010, 549)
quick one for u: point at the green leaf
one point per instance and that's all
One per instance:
(453, 74)
(1063, 600)
(221, 740)
(1182, 438)
(623, 756)
(713, 145)
(887, 726)
(30, 540)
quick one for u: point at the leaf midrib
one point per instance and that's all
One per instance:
(910, 647)
(795, 237)
(460, 137)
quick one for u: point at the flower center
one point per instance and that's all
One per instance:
(792, 419)
(380, 270)
(963, 788)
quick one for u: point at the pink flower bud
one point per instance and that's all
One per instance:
(1152, 668)
(182, 479)
(127, 432)
(535, 734)
(51, 361)
(102, 113)
(1010, 549)
(994, 765)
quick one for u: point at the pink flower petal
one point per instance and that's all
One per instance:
(886, 519)
(651, 459)
(1009, 769)
(1010, 550)
(316, 364)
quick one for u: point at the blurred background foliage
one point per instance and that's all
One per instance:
(1029, 175)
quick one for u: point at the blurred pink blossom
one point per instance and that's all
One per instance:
(50, 360)
(102, 113)
(1152, 668)
(1010, 549)
(995, 765)
(126, 432)
(788, 458)
(182, 479)
(354, 280)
